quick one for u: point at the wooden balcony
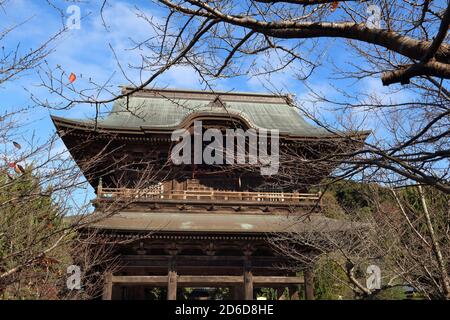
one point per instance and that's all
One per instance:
(209, 195)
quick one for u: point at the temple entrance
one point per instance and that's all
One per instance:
(205, 288)
(205, 293)
(137, 292)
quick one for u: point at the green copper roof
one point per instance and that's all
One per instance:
(169, 109)
(165, 114)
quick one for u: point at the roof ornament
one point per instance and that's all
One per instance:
(217, 103)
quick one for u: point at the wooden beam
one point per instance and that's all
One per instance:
(130, 280)
(107, 287)
(205, 280)
(260, 280)
(209, 280)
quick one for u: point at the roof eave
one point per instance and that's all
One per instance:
(64, 123)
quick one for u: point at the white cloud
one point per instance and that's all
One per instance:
(180, 77)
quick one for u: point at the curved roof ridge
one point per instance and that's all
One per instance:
(126, 88)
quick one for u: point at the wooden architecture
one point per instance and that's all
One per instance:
(197, 226)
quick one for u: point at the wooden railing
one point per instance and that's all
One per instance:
(209, 195)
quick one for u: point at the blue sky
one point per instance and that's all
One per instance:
(87, 53)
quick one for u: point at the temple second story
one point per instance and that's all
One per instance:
(169, 149)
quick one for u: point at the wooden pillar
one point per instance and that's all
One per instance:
(309, 284)
(172, 282)
(107, 287)
(172, 274)
(248, 281)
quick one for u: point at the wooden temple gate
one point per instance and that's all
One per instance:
(195, 225)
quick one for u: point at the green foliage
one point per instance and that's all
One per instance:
(155, 294)
(330, 282)
(29, 225)
(379, 206)
(394, 293)
(352, 200)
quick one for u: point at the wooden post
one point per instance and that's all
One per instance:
(309, 284)
(248, 281)
(107, 287)
(172, 275)
(172, 285)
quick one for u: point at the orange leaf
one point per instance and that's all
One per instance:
(72, 77)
